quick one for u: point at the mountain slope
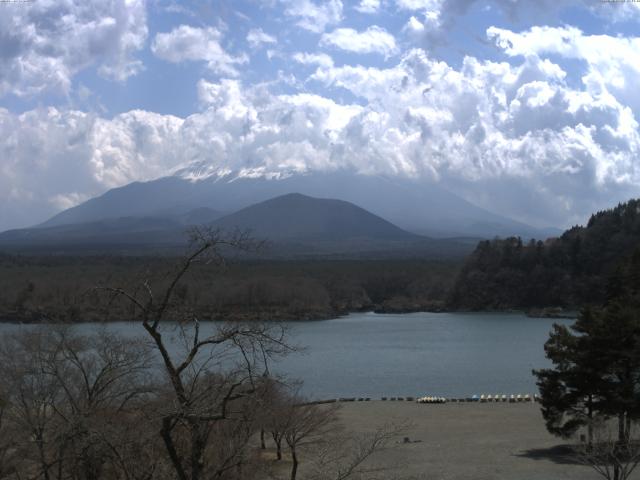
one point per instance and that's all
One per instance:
(294, 225)
(299, 217)
(418, 207)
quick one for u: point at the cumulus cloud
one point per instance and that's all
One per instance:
(44, 44)
(427, 29)
(612, 63)
(312, 16)
(321, 59)
(186, 43)
(427, 5)
(368, 6)
(374, 39)
(516, 138)
(257, 38)
(53, 159)
(431, 20)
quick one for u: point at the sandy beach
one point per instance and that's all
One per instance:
(464, 441)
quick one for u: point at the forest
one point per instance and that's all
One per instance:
(64, 288)
(568, 272)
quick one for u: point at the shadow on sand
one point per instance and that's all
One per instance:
(561, 454)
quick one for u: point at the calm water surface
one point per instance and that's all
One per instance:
(448, 354)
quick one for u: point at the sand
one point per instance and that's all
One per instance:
(460, 441)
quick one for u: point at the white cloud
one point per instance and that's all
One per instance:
(518, 137)
(493, 124)
(52, 159)
(63, 201)
(368, 6)
(434, 19)
(320, 59)
(44, 44)
(427, 5)
(612, 63)
(257, 38)
(374, 39)
(312, 16)
(186, 43)
(428, 29)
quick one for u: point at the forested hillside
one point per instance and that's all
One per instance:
(61, 288)
(568, 271)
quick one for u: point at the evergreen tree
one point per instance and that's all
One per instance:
(596, 365)
(569, 391)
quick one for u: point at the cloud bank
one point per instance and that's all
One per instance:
(546, 131)
(44, 43)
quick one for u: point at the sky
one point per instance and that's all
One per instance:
(527, 108)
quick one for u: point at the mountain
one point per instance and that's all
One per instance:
(570, 271)
(300, 217)
(293, 224)
(421, 208)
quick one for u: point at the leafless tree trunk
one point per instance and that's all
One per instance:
(201, 400)
(306, 424)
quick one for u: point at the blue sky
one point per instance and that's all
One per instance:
(529, 109)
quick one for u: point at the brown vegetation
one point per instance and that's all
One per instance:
(59, 288)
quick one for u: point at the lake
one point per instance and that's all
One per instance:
(444, 354)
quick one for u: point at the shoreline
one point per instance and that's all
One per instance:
(35, 318)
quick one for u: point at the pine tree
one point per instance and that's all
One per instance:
(596, 365)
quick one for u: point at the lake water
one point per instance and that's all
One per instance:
(445, 354)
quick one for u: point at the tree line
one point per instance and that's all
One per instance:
(569, 271)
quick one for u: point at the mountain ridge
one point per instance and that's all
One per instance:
(417, 207)
(293, 224)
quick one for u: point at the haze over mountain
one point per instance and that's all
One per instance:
(292, 224)
(424, 209)
(296, 216)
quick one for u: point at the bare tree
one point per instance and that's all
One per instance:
(306, 424)
(345, 456)
(62, 392)
(6, 437)
(202, 391)
(30, 398)
(610, 457)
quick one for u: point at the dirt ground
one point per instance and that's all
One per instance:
(465, 441)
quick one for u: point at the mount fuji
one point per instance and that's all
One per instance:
(197, 195)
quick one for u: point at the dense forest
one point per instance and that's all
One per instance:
(567, 272)
(62, 288)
